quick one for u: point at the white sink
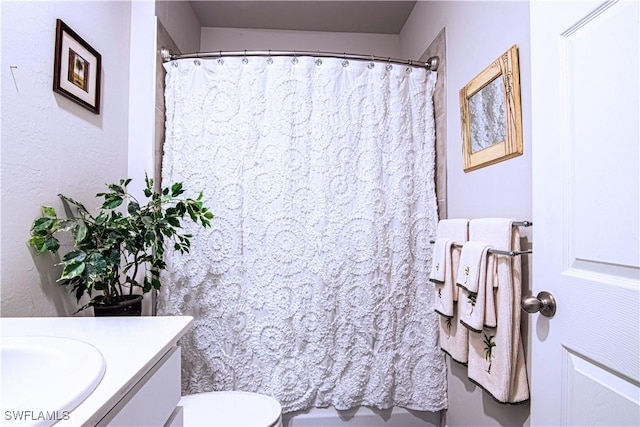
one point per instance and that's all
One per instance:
(45, 378)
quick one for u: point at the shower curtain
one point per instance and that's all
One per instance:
(311, 285)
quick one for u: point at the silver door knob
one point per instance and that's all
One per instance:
(544, 303)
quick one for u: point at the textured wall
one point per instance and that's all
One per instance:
(477, 33)
(51, 145)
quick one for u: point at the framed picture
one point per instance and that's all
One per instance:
(76, 71)
(491, 114)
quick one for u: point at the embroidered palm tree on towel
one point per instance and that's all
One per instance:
(471, 299)
(488, 350)
(467, 270)
(437, 267)
(447, 322)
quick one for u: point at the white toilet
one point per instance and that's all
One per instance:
(231, 409)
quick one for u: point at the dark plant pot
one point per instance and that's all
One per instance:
(130, 306)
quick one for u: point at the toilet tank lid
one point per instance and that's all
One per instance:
(230, 408)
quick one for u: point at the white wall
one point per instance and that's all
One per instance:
(51, 145)
(214, 39)
(478, 32)
(142, 95)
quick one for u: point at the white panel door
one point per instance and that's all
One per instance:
(586, 189)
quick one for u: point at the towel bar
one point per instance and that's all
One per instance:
(497, 251)
(522, 223)
(501, 252)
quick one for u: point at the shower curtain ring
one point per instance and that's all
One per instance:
(371, 64)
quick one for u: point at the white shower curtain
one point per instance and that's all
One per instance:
(311, 285)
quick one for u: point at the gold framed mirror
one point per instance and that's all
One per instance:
(491, 114)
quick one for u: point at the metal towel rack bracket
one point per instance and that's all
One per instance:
(502, 252)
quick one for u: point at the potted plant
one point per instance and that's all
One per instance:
(118, 254)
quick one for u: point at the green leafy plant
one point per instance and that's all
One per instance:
(118, 251)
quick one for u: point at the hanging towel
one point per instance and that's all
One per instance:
(440, 271)
(454, 338)
(472, 277)
(491, 285)
(496, 355)
(470, 268)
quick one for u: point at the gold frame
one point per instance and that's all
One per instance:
(507, 67)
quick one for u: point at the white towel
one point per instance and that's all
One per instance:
(496, 355)
(454, 338)
(472, 279)
(439, 260)
(469, 270)
(440, 273)
(491, 288)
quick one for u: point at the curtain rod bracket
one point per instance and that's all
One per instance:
(433, 63)
(166, 54)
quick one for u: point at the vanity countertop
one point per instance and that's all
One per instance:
(129, 345)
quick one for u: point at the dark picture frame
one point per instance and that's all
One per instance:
(77, 68)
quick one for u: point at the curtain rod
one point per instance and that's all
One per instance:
(430, 64)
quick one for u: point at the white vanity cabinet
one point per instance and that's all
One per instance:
(153, 401)
(141, 382)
